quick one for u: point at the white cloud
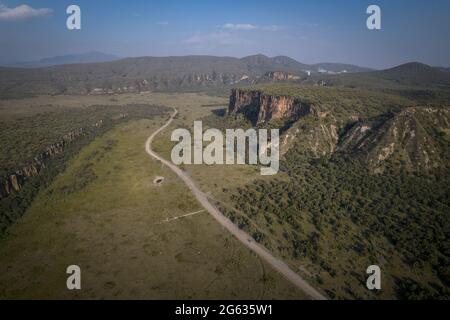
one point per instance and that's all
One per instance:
(215, 38)
(249, 26)
(21, 12)
(240, 26)
(163, 23)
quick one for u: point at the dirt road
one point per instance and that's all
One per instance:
(243, 237)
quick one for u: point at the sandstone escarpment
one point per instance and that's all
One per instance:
(175, 82)
(413, 139)
(15, 181)
(259, 107)
(281, 76)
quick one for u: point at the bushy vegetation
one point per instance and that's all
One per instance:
(114, 229)
(337, 218)
(337, 204)
(404, 77)
(22, 139)
(425, 97)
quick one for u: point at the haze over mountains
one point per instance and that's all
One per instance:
(87, 57)
(201, 73)
(413, 74)
(255, 60)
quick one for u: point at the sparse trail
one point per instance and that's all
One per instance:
(180, 217)
(243, 237)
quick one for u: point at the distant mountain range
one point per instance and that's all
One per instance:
(258, 63)
(203, 73)
(88, 57)
(283, 63)
(413, 74)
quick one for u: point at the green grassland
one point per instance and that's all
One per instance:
(327, 217)
(30, 125)
(105, 214)
(23, 138)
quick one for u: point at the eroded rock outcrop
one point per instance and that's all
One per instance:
(409, 139)
(259, 107)
(413, 139)
(178, 82)
(281, 76)
(14, 182)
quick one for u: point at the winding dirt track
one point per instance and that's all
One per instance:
(248, 241)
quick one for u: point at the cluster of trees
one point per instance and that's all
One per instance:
(336, 202)
(334, 213)
(409, 289)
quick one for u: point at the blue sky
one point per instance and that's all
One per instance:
(310, 31)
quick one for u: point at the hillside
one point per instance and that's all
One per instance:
(189, 73)
(262, 64)
(339, 68)
(415, 74)
(283, 63)
(415, 139)
(408, 75)
(367, 182)
(212, 74)
(87, 57)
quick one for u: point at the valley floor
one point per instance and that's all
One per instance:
(119, 227)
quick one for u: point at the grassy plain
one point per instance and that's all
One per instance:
(105, 214)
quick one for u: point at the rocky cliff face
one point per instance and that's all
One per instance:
(414, 139)
(15, 181)
(165, 83)
(281, 76)
(259, 107)
(314, 132)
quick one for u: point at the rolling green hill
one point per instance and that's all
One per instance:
(408, 75)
